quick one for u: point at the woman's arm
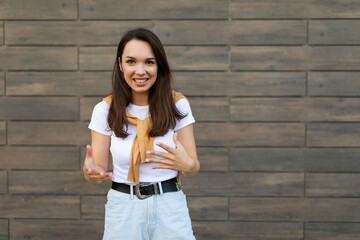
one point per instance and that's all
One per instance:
(97, 158)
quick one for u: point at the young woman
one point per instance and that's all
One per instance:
(148, 130)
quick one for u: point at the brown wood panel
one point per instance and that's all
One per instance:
(324, 32)
(97, 58)
(295, 209)
(93, 207)
(122, 9)
(2, 132)
(86, 107)
(295, 58)
(295, 159)
(38, 58)
(58, 83)
(1, 33)
(232, 230)
(249, 134)
(284, 9)
(213, 159)
(48, 133)
(4, 229)
(3, 181)
(245, 184)
(333, 134)
(233, 32)
(39, 108)
(332, 185)
(56, 229)
(57, 182)
(40, 9)
(50, 158)
(332, 231)
(334, 83)
(47, 206)
(208, 208)
(69, 32)
(2, 83)
(295, 109)
(196, 58)
(210, 109)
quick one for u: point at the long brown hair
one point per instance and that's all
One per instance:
(163, 111)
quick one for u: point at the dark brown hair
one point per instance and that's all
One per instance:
(162, 107)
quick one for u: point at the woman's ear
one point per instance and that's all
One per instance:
(119, 61)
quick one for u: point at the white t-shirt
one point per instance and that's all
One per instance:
(121, 148)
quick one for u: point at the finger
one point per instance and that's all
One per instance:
(160, 161)
(165, 147)
(160, 154)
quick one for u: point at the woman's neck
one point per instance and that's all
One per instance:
(140, 99)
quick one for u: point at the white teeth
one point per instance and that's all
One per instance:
(140, 80)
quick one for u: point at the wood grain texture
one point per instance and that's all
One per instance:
(3, 181)
(298, 9)
(56, 229)
(93, 207)
(2, 132)
(208, 208)
(40, 10)
(58, 83)
(332, 231)
(122, 9)
(2, 83)
(213, 159)
(38, 58)
(1, 33)
(36, 158)
(210, 109)
(4, 229)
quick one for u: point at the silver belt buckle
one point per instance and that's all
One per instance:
(138, 193)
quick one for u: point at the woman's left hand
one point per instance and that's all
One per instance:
(175, 159)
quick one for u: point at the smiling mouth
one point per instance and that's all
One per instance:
(143, 80)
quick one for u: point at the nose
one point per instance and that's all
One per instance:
(140, 69)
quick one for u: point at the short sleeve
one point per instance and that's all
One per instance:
(184, 107)
(99, 118)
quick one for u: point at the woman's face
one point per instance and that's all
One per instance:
(139, 66)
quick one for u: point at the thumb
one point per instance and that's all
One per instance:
(88, 151)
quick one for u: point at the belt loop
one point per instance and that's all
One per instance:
(131, 191)
(160, 188)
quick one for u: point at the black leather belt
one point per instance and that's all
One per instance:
(145, 190)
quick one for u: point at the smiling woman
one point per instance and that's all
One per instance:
(147, 129)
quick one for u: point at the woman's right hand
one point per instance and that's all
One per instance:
(93, 172)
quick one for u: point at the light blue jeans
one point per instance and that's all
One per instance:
(160, 217)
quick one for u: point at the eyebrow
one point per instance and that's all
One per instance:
(151, 58)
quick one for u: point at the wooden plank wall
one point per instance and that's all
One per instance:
(274, 86)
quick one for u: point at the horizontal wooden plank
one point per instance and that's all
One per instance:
(334, 32)
(232, 230)
(252, 134)
(39, 108)
(198, 58)
(2, 132)
(69, 32)
(334, 83)
(1, 33)
(295, 109)
(57, 182)
(3, 182)
(245, 184)
(58, 83)
(56, 229)
(43, 133)
(47, 206)
(210, 109)
(86, 107)
(241, 83)
(97, 58)
(282, 9)
(40, 9)
(332, 231)
(213, 159)
(4, 229)
(92, 207)
(295, 159)
(295, 58)
(2, 83)
(295, 209)
(208, 208)
(231, 32)
(333, 134)
(122, 9)
(38, 58)
(50, 158)
(332, 185)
